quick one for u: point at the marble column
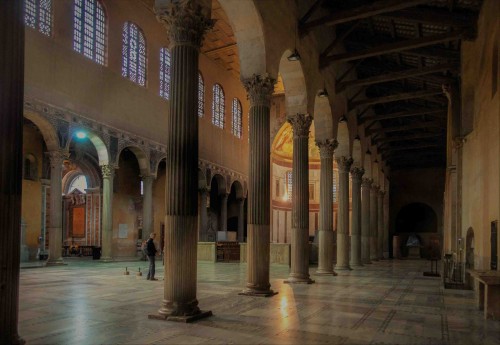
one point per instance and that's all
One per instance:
(203, 215)
(186, 23)
(344, 166)
(325, 233)
(241, 220)
(55, 213)
(380, 224)
(108, 173)
(259, 89)
(365, 220)
(357, 175)
(147, 206)
(373, 222)
(11, 161)
(299, 270)
(223, 214)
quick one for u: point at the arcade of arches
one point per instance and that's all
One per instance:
(301, 140)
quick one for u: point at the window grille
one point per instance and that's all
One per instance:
(89, 34)
(134, 54)
(38, 15)
(236, 125)
(164, 73)
(218, 106)
(201, 96)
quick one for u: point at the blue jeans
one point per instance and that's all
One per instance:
(151, 273)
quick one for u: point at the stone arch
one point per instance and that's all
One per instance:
(469, 249)
(221, 183)
(48, 131)
(343, 150)
(295, 85)
(140, 155)
(356, 153)
(323, 117)
(246, 23)
(99, 144)
(367, 164)
(238, 188)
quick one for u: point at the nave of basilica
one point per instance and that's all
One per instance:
(340, 158)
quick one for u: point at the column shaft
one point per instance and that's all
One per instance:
(373, 222)
(11, 145)
(186, 23)
(108, 172)
(259, 91)
(344, 165)
(147, 206)
(356, 174)
(299, 270)
(202, 218)
(55, 215)
(380, 225)
(325, 233)
(241, 216)
(365, 221)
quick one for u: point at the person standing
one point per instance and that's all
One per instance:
(151, 252)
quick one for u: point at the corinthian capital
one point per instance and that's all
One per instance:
(300, 124)
(107, 170)
(185, 21)
(326, 147)
(57, 158)
(367, 182)
(357, 173)
(259, 89)
(344, 163)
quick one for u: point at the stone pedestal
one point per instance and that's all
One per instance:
(299, 270)
(325, 233)
(356, 174)
(186, 23)
(365, 220)
(11, 161)
(344, 165)
(259, 91)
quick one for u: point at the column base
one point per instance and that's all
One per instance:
(321, 272)
(181, 318)
(294, 280)
(106, 259)
(257, 293)
(58, 262)
(343, 268)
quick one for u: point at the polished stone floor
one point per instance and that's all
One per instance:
(388, 302)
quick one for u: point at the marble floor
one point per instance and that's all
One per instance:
(388, 302)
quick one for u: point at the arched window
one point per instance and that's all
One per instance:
(38, 15)
(164, 73)
(134, 54)
(79, 182)
(30, 167)
(289, 185)
(236, 126)
(89, 34)
(201, 96)
(218, 106)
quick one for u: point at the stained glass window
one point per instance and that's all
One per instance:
(236, 126)
(201, 96)
(289, 184)
(134, 54)
(38, 15)
(218, 106)
(164, 73)
(89, 34)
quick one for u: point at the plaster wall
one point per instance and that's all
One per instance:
(481, 150)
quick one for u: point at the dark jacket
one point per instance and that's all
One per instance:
(150, 248)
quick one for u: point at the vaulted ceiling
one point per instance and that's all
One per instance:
(401, 53)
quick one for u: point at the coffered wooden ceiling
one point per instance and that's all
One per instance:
(401, 52)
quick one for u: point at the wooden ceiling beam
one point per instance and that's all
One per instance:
(395, 76)
(406, 113)
(432, 124)
(396, 97)
(360, 12)
(392, 47)
(412, 147)
(434, 16)
(408, 137)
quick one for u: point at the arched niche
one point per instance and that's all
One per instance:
(237, 187)
(416, 218)
(48, 131)
(221, 184)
